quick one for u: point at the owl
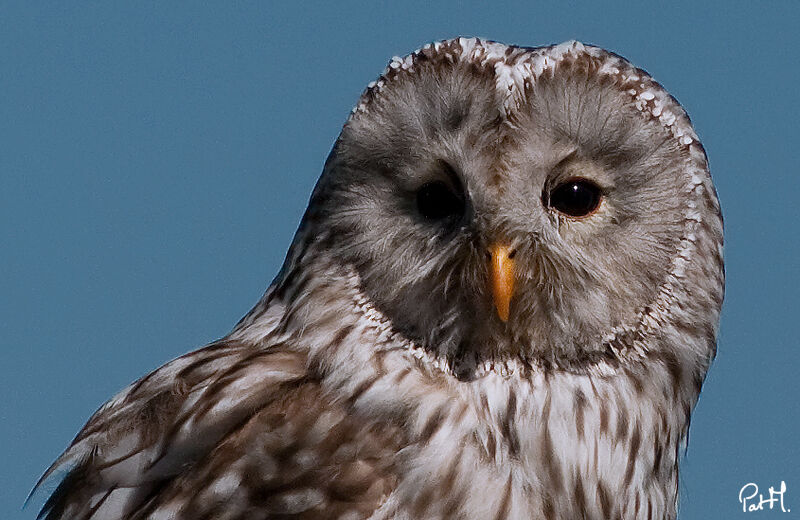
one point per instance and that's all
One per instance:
(501, 303)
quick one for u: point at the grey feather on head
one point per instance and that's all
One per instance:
(500, 130)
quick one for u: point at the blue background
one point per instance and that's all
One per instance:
(155, 161)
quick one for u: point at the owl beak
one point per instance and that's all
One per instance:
(501, 272)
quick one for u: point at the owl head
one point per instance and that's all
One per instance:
(551, 205)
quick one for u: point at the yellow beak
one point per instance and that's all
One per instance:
(501, 272)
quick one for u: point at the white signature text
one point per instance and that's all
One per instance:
(752, 500)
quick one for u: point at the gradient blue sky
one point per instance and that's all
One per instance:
(155, 161)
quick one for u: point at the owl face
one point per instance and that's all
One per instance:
(500, 202)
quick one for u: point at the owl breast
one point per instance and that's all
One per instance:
(556, 446)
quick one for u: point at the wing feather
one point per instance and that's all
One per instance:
(164, 422)
(229, 431)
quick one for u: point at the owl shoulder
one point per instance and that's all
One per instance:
(230, 423)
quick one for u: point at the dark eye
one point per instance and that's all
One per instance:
(576, 197)
(437, 201)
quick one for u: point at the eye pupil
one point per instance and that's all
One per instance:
(576, 198)
(436, 201)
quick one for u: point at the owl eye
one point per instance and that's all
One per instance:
(575, 197)
(437, 201)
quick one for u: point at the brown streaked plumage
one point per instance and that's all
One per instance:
(501, 303)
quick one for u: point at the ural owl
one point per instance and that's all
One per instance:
(501, 303)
